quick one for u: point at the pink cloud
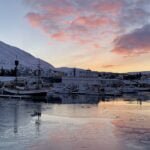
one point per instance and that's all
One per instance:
(84, 22)
(34, 19)
(60, 36)
(91, 21)
(109, 6)
(58, 11)
(97, 46)
(55, 17)
(134, 43)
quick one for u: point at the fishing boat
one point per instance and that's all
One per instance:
(29, 86)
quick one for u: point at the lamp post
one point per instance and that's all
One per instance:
(38, 75)
(16, 70)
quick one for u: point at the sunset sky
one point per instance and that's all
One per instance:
(103, 35)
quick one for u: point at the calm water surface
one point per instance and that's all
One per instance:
(92, 124)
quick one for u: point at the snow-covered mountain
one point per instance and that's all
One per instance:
(9, 53)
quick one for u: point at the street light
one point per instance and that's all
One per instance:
(16, 69)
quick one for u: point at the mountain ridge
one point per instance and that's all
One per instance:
(9, 53)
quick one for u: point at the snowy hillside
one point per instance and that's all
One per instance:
(9, 53)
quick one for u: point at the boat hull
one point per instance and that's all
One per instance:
(25, 92)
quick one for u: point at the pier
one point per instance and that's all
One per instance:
(16, 96)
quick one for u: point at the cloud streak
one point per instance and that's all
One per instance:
(109, 66)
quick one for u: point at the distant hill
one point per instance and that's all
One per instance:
(9, 53)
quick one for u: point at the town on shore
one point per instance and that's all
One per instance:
(28, 82)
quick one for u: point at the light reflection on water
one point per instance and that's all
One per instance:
(93, 123)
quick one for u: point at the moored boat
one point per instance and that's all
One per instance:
(35, 92)
(28, 86)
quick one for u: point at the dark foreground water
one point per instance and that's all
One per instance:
(93, 124)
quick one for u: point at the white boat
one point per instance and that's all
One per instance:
(35, 92)
(28, 86)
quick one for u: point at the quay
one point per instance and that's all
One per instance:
(16, 96)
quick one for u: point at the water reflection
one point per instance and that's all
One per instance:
(93, 99)
(87, 122)
(78, 99)
(17, 123)
(16, 109)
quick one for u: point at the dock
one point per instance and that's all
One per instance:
(15, 96)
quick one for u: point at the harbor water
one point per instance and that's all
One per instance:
(76, 122)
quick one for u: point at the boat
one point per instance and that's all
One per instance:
(35, 92)
(31, 86)
(84, 90)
